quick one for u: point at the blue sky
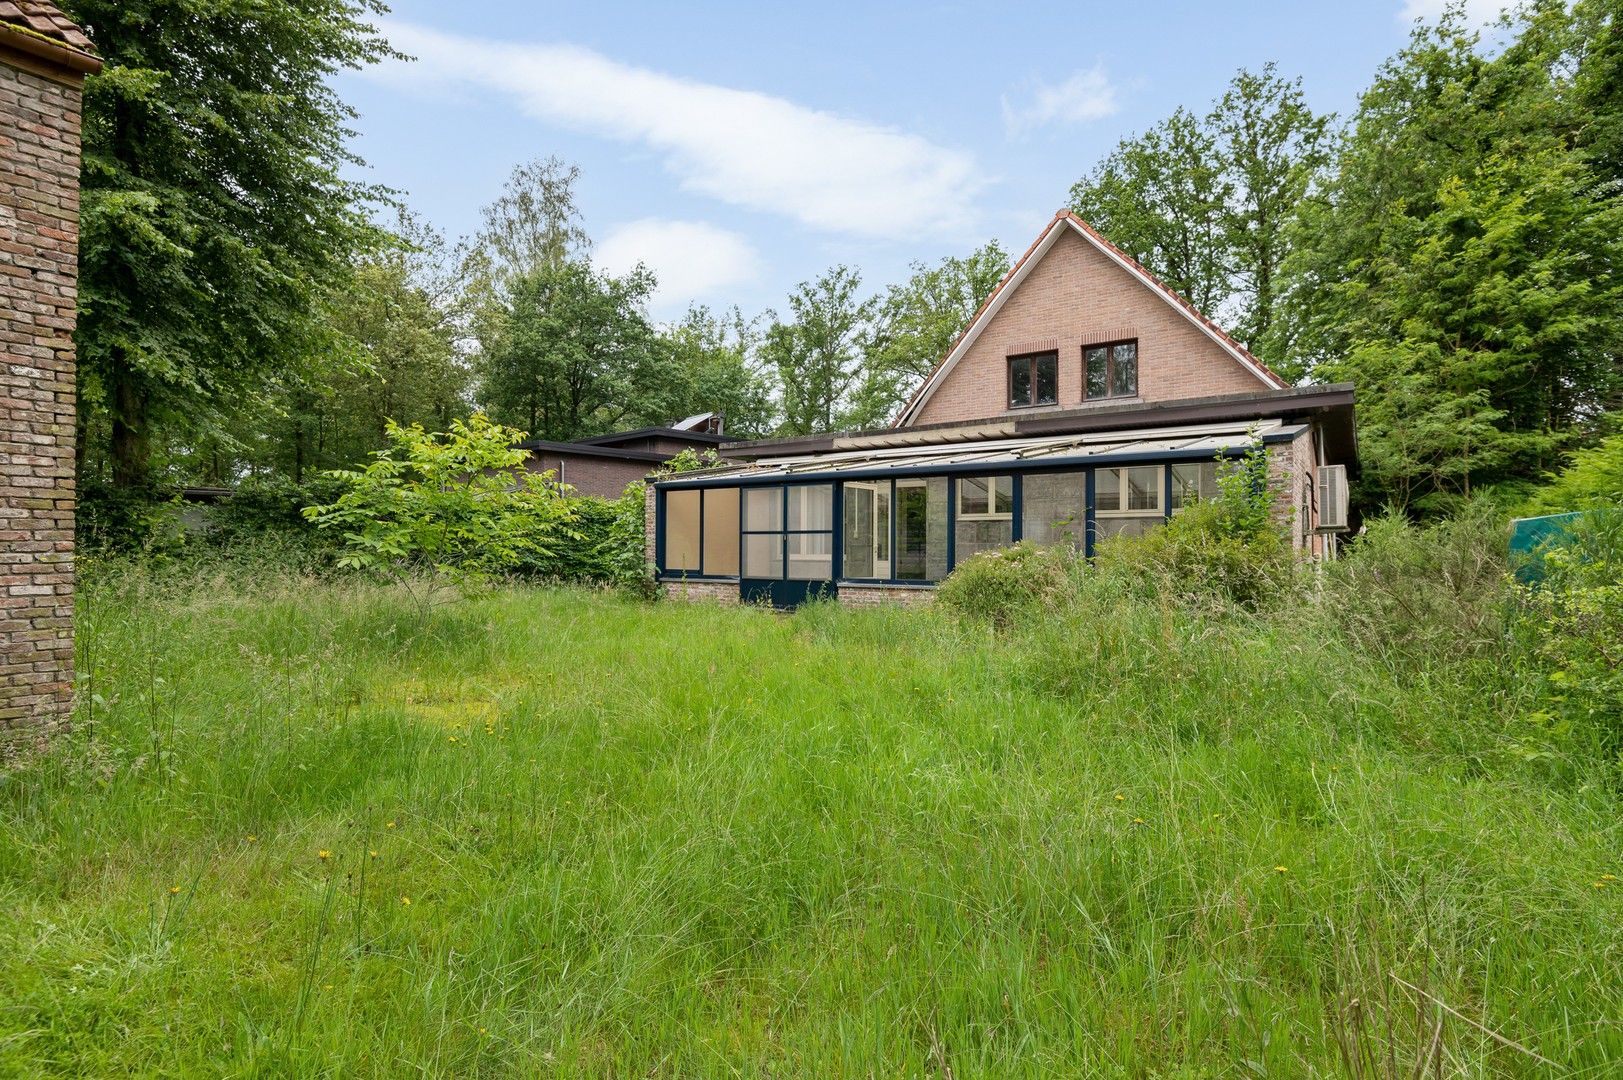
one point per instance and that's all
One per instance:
(741, 148)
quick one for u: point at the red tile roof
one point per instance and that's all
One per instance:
(46, 20)
(1097, 238)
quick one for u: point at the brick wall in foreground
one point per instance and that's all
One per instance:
(39, 229)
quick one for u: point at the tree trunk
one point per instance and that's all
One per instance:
(128, 448)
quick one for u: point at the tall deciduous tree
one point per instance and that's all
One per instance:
(819, 353)
(711, 366)
(575, 352)
(917, 322)
(215, 215)
(532, 225)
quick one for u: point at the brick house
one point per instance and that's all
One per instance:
(43, 61)
(1084, 400)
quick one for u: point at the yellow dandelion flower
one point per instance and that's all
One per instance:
(453, 738)
(326, 986)
(373, 853)
(481, 1031)
(405, 901)
(1121, 798)
(1599, 884)
(1608, 877)
(390, 825)
(1138, 821)
(252, 839)
(173, 889)
(1280, 870)
(323, 854)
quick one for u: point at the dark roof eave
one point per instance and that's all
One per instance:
(653, 432)
(584, 450)
(1292, 401)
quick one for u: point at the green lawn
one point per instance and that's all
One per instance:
(561, 833)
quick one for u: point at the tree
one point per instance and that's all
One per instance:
(918, 321)
(533, 225)
(215, 216)
(573, 354)
(1270, 146)
(710, 366)
(1460, 266)
(819, 355)
(443, 508)
(1162, 197)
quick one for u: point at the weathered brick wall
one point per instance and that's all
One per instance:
(606, 478)
(720, 592)
(39, 228)
(1074, 297)
(871, 595)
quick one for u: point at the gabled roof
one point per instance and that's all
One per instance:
(40, 28)
(1063, 220)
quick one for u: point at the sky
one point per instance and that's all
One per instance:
(739, 149)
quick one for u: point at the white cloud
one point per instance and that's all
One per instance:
(692, 259)
(1086, 95)
(742, 147)
(1477, 12)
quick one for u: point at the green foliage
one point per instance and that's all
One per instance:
(818, 354)
(572, 352)
(917, 322)
(216, 213)
(1575, 617)
(1205, 202)
(604, 545)
(1404, 593)
(1199, 557)
(1593, 479)
(1003, 586)
(457, 506)
(711, 366)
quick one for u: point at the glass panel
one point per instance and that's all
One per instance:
(975, 535)
(721, 531)
(1192, 482)
(867, 530)
(1144, 487)
(1047, 379)
(972, 495)
(682, 530)
(811, 556)
(763, 508)
(921, 529)
(1124, 381)
(811, 507)
(1107, 491)
(1003, 495)
(1098, 372)
(1105, 528)
(763, 554)
(1051, 508)
(1019, 382)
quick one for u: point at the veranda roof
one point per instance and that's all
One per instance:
(1003, 455)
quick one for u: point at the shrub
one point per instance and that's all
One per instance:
(1593, 479)
(999, 586)
(605, 545)
(1199, 556)
(1411, 593)
(439, 508)
(1575, 616)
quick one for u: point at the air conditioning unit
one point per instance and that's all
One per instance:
(1332, 498)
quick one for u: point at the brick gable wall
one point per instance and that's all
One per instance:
(1073, 297)
(39, 228)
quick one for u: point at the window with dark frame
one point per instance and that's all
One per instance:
(1110, 370)
(1033, 380)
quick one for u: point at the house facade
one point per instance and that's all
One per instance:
(44, 59)
(1084, 400)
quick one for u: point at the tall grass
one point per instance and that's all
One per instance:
(680, 840)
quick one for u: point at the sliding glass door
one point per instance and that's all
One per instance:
(788, 543)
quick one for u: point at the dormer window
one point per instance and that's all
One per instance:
(1033, 380)
(1110, 370)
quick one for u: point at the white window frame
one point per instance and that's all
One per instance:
(1122, 499)
(991, 513)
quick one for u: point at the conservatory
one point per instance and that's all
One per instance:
(783, 529)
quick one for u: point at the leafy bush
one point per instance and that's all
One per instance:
(1593, 479)
(1575, 615)
(605, 545)
(1201, 556)
(128, 521)
(1406, 593)
(436, 508)
(1000, 586)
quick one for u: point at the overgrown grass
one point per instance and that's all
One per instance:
(678, 840)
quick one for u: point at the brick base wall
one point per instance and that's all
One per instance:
(870, 595)
(719, 592)
(39, 229)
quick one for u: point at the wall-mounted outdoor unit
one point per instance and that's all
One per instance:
(1332, 498)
